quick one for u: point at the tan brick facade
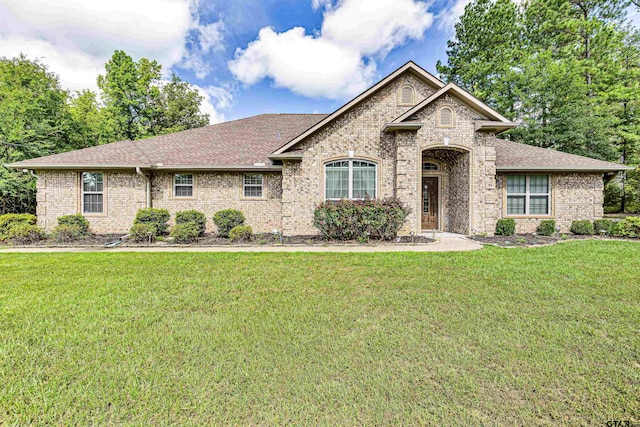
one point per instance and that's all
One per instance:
(471, 192)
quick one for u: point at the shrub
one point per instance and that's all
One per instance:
(227, 219)
(23, 233)
(158, 217)
(628, 227)
(8, 221)
(582, 227)
(360, 219)
(78, 221)
(140, 232)
(186, 232)
(196, 217)
(65, 233)
(547, 227)
(506, 227)
(241, 233)
(606, 225)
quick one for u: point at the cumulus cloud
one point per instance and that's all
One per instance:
(339, 61)
(76, 37)
(449, 16)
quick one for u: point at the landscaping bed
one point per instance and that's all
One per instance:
(530, 239)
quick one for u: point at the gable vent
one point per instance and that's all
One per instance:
(446, 117)
(406, 95)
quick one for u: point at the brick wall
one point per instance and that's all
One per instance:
(574, 196)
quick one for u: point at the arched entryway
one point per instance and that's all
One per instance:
(445, 189)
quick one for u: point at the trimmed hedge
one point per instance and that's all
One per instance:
(606, 225)
(628, 227)
(157, 217)
(360, 219)
(186, 232)
(198, 218)
(241, 233)
(506, 227)
(140, 232)
(547, 227)
(70, 228)
(227, 219)
(8, 221)
(582, 227)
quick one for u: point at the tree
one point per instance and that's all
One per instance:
(34, 121)
(178, 108)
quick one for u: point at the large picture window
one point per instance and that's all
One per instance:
(183, 185)
(350, 179)
(92, 192)
(528, 195)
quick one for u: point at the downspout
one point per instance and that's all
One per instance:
(148, 181)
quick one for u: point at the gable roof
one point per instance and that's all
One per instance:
(462, 94)
(513, 156)
(238, 144)
(409, 66)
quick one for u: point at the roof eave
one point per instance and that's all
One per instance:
(394, 127)
(74, 166)
(563, 168)
(203, 168)
(229, 168)
(286, 156)
(494, 126)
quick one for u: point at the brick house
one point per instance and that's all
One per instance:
(430, 144)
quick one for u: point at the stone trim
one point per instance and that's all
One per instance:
(439, 117)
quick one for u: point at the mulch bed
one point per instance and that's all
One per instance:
(521, 240)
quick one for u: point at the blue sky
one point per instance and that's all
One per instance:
(245, 57)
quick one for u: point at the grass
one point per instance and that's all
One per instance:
(547, 336)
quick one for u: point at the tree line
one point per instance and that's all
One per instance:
(568, 71)
(38, 117)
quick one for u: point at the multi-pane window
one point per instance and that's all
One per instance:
(92, 192)
(350, 179)
(528, 195)
(183, 185)
(427, 166)
(252, 185)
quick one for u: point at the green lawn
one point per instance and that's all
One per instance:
(547, 336)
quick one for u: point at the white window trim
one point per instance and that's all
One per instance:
(350, 179)
(245, 186)
(92, 192)
(193, 180)
(527, 195)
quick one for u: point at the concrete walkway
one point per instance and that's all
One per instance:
(442, 244)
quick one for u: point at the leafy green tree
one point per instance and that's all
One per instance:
(177, 108)
(34, 121)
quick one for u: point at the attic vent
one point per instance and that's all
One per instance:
(445, 117)
(406, 95)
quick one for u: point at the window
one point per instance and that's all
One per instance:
(528, 195)
(428, 166)
(406, 95)
(183, 185)
(92, 192)
(350, 179)
(252, 185)
(446, 117)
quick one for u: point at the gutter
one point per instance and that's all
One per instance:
(564, 168)
(148, 187)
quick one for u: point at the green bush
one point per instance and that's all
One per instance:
(547, 227)
(506, 227)
(78, 221)
(360, 219)
(23, 233)
(582, 227)
(227, 219)
(186, 232)
(628, 227)
(606, 225)
(65, 233)
(241, 233)
(8, 221)
(196, 217)
(158, 217)
(142, 231)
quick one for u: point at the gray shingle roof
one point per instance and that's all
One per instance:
(246, 142)
(515, 156)
(237, 143)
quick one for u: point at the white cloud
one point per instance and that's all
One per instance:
(339, 61)
(375, 27)
(448, 17)
(304, 64)
(76, 37)
(216, 100)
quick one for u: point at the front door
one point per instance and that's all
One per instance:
(429, 203)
